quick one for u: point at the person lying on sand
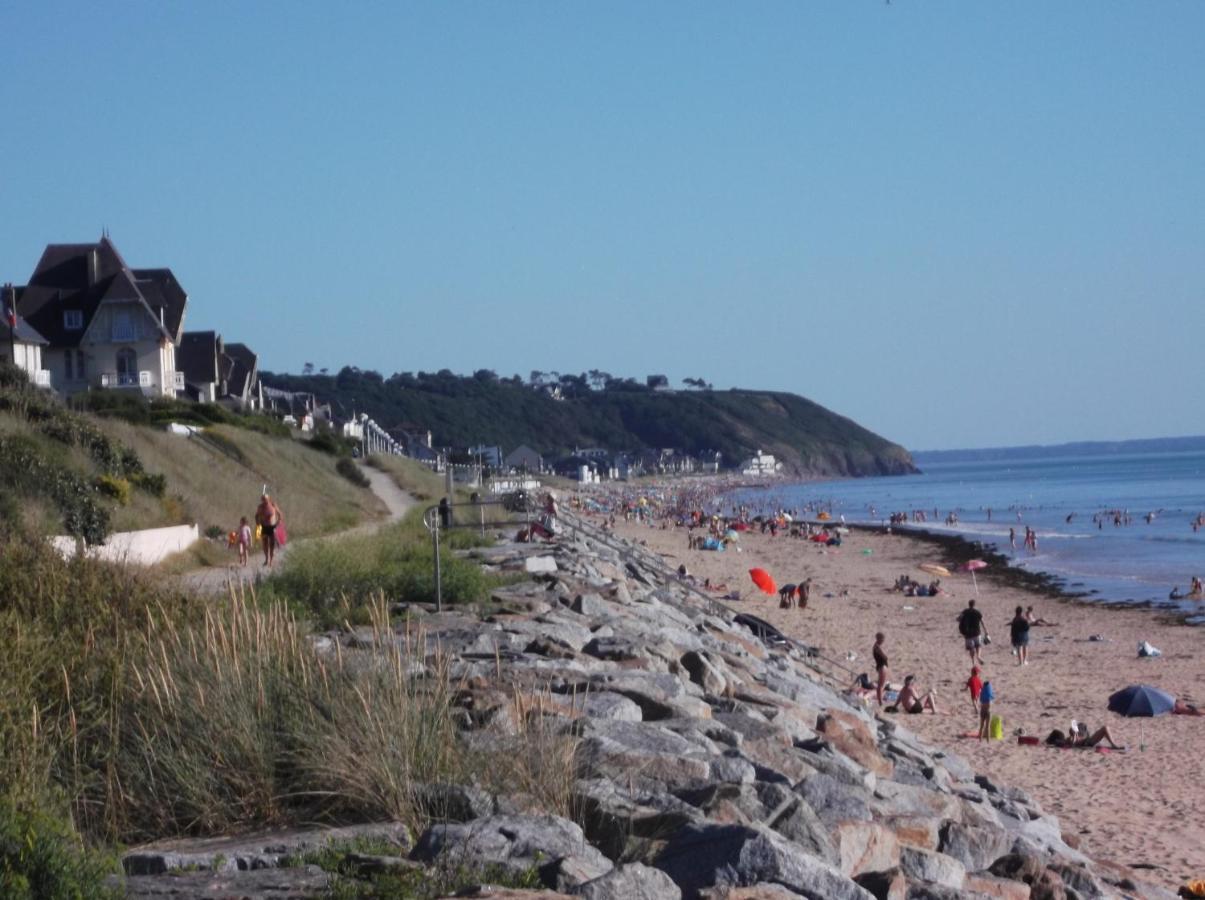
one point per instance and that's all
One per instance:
(1081, 738)
(1186, 709)
(1035, 619)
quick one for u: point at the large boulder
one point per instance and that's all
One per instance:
(633, 881)
(703, 856)
(854, 738)
(298, 883)
(515, 843)
(976, 848)
(935, 868)
(866, 847)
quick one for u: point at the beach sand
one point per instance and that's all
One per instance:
(1143, 807)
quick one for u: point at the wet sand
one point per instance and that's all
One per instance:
(1142, 807)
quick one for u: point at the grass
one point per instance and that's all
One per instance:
(332, 582)
(411, 476)
(214, 488)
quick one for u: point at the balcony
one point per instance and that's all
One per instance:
(42, 378)
(125, 379)
(178, 380)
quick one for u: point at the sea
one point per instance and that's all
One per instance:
(1114, 527)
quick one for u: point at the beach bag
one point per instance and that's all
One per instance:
(259, 532)
(996, 728)
(282, 535)
(232, 540)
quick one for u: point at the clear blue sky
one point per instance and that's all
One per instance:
(961, 224)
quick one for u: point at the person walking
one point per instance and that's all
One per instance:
(267, 517)
(880, 665)
(1019, 633)
(971, 627)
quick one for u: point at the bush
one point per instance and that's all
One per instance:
(154, 484)
(325, 442)
(42, 857)
(26, 470)
(349, 470)
(112, 486)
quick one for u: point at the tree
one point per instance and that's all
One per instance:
(307, 369)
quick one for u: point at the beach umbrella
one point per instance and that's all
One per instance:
(763, 580)
(1141, 701)
(973, 566)
(934, 569)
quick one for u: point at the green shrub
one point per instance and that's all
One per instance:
(114, 487)
(26, 470)
(154, 484)
(42, 858)
(325, 442)
(349, 470)
(223, 444)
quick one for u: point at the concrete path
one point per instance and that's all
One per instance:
(218, 579)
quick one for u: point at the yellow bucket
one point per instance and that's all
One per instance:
(996, 728)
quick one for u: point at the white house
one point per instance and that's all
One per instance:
(20, 343)
(761, 464)
(106, 325)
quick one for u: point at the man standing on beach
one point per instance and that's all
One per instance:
(971, 627)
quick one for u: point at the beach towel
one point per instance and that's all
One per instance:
(282, 534)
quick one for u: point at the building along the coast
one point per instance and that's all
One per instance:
(106, 325)
(20, 343)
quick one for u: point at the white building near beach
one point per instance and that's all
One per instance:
(761, 464)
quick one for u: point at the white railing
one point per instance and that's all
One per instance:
(124, 333)
(126, 379)
(42, 378)
(178, 380)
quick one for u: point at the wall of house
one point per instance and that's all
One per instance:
(28, 358)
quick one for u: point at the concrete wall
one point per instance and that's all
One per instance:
(142, 548)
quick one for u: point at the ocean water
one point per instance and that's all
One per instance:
(1135, 562)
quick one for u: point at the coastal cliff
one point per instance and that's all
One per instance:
(706, 761)
(807, 438)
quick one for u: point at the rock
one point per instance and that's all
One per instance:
(258, 851)
(615, 819)
(798, 823)
(606, 705)
(255, 884)
(704, 672)
(732, 769)
(515, 843)
(490, 892)
(763, 891)
(976, 848)
(1048, 886)
(660, 696)
(1018, 867)
(702, 856)
(1078, 878)
(453, 802)
(915, 831)
(927, 865)
(991, 886)
(590, 605)
(853, 737)
(539, 565)
(887, 885)
(616, 749)
(834, 802)
(866, 847)
(633, 881)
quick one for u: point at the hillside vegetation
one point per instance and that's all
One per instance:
(68, 472)
(483, 409)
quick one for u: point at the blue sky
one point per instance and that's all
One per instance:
(958, 224)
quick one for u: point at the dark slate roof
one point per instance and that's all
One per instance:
(197, 356)
(81, 276)
(26, 334)
(163, 292)
(242, 373)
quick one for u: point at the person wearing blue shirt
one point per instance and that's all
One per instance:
(986, 696)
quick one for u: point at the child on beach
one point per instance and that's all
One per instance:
(975, 686)
(244, 540)
(986, 696)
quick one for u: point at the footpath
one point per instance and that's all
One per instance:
(218, 579)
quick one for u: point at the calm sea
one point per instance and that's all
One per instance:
(1139, 561)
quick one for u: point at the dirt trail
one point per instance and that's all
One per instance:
(216, 579)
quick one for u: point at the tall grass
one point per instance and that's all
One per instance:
(240, 721)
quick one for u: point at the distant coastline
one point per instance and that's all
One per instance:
(1076, 448)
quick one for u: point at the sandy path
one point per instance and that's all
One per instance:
(1141, 807)
(217, 579)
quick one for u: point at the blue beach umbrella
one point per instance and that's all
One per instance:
(1141, 700)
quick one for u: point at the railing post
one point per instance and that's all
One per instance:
(439, 598)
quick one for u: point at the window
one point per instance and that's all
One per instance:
(127, 367)
(79, 365)
(125, 326)
(67, 365)
(73, 319)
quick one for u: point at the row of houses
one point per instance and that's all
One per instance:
(87, 320)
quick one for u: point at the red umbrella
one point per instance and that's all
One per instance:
(763, 580)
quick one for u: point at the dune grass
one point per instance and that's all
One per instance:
(411, 476)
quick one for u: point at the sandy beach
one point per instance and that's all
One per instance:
(1138, 808)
